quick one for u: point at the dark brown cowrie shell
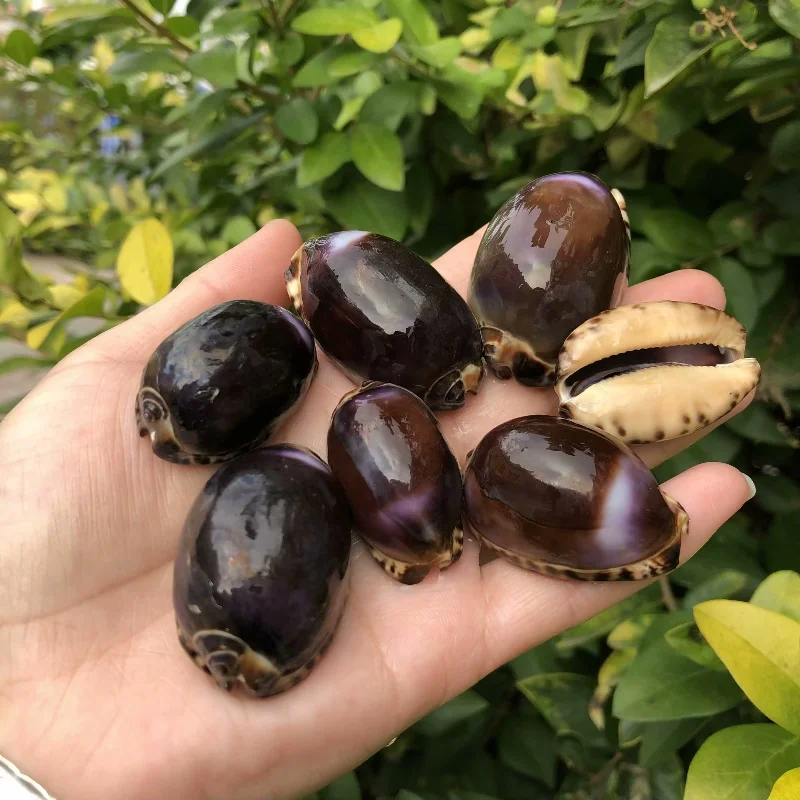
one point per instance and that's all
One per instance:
(402, 481)
(569, 501)
(383, 313)
(261, 574)
(222, 382)
(655, 371)
(555, 254)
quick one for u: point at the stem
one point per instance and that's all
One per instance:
(287, 9)
(261, 92)
(667, 595)
(159, 29)
(720, 251)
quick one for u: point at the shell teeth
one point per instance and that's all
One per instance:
(663, 402)
(648, 325)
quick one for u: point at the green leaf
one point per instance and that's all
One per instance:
(351, 63)
(740, 289)
(633, 48)
(686, 640)
(162, 6)
(217, 65)
(741, 763)
(336, 21)
(723, 584)
(757, 424)
(784, 149)
(675, 232)
(787, 787)
(600, 624)
(49, 337)
(780, 592)
(462, 98)
(322, 159)
(378, 154)
(363, 206)
(662, 739)
(145, 61)
(536, 661)
(761, 649)
(379, 38)
(419, 26)
(344, 788)
(185, 27)
(628, 634)
(783, 237)
(237, 229)
(391, 104)
(563, 700)
(661, 684)
(528, 745)
(20, 47)
(671, 51)
(223, 134)
(24, 362)
(439, 54)
(298, 121)
(317, 71)
(787, 14)
(456, 711)
(777, 493)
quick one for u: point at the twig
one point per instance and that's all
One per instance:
(272, 13)
(720, 251)
(667, 595)
(186, 50)
(287, 9)
(159, 29)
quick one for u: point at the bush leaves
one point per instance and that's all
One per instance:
(144, 264)
(378, 154)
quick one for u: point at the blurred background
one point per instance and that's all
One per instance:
(138, 140)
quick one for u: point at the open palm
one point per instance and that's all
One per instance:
(97, 699)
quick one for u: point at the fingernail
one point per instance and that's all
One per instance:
(752, 486)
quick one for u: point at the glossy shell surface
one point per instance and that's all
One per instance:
(220, 384)
(565, 500)
(654, 371)
(383, 313)
(554, 255)
(402, 480)
(261, 574)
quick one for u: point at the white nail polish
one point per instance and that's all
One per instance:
(751, 485)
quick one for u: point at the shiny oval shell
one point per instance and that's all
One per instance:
(261, 574)
(222, 382)
(555, 254)
(383, 313)
(401, 478)
(566, 500)
(654, 371)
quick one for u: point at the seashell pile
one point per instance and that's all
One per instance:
(262, 567)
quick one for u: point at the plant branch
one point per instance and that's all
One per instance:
(719, 252)
(667, 595)
(161, 30)
(287, 9)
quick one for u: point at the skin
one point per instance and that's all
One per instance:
(91, 667)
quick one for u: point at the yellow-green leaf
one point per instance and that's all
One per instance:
(24, 200)
(379, 38)
(334, 21)
(607, 678)
(144, 264)
(104, 54)
(62, 296)
(780, 592)
(507, 55)
(55, 198)
(761, 650)
(787, 787)
(741, 763)
(50, 337)
(15, 315)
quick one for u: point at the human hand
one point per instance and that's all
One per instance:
(97, 698)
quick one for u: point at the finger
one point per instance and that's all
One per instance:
(253, 270)
(525, 609)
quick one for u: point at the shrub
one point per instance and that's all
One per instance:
(135, 134)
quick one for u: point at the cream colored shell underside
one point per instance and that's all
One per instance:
(663, 402)
(645, 325)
